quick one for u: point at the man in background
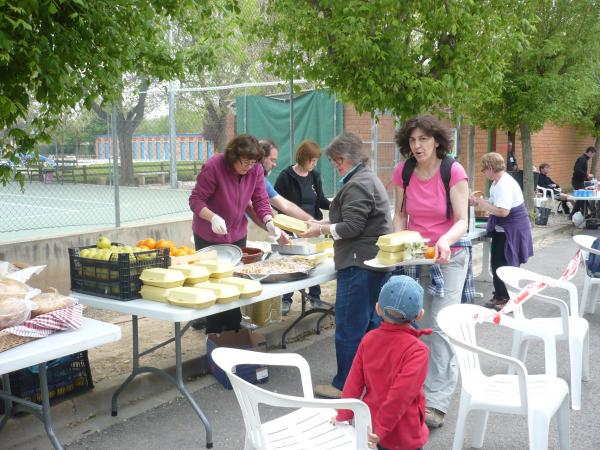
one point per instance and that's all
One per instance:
(546, 182)
(581, 175)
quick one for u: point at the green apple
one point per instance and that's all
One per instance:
(85, 253)
(103, 242)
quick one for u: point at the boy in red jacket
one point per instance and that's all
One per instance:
(390, 366)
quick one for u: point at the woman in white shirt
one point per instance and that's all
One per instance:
(508, 223)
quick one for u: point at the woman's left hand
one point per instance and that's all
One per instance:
(314, 230)
(442, 251)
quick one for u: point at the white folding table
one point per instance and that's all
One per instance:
(91, 334)
(163, 311)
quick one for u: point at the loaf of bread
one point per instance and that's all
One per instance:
(12, 289)
(50, 301)
(13, 312)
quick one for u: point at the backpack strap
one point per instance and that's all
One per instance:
(445, 172)
(407, 171)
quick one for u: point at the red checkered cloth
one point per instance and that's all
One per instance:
(69, 318)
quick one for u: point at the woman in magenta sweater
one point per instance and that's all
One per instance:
(224, 188)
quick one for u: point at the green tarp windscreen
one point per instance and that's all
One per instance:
(317, 116)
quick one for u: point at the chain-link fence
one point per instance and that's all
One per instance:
(78, 182)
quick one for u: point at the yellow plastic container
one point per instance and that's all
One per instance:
(395, 241)
(155, 293)
(163, 278)
(247, 288)
(193, 274)
(216, 269)
(225, 292)
(290, 223)
(392, 258)
(191, 297)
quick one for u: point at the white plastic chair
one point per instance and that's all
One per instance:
(308, 427)
(538, 397)
(545, 198)
(589, 296)
(569, 326)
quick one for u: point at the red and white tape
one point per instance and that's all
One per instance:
(530, 290)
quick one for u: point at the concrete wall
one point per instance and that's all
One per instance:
(52, 251)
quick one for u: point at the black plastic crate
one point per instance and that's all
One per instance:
(66, 376)
(117, 277)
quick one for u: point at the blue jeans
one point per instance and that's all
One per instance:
(357, 293)
(313, 291)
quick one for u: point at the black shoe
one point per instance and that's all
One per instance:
(199, 324)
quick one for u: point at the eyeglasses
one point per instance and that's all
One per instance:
(247, 162)
(335, 161)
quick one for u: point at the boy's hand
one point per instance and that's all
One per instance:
(373, 439)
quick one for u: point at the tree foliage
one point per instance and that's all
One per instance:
(549, 79)
(403, 57)
(57, 53)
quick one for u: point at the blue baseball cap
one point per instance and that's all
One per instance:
(401, 299)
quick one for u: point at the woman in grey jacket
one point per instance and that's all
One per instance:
(358, 215)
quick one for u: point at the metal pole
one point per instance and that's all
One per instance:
(335, 174)
(115, 153)
(245, 110)
(459, 137)
(172, 128)
(291, 120)
(374, 141)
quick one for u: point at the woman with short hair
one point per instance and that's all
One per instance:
(227, 182)
(508, 223)
(358, 215)
(302, 185)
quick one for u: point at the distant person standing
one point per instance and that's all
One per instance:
(511, 159)
(581, 175)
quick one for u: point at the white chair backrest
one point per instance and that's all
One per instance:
(459, 323)
(517, 278)
(585, 242)
(250, 396)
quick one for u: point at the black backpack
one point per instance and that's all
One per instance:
(409, 168)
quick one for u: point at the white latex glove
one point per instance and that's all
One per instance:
(218, 225)
(274, 232)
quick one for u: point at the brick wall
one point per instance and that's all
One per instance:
(556, 145)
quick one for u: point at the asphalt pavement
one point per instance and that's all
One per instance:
(170, 422)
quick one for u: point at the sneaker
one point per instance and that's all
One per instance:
(327, 391)
(434, 418)
(285, 308)
(316, 302)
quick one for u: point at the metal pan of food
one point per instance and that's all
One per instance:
(276, 270)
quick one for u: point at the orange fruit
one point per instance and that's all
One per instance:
(143, 247)
(430, 252)
(150, 243)
(141, 243)
(163, 243)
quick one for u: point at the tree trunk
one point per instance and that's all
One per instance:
(126, 156)
(528, 187)
(215, 123)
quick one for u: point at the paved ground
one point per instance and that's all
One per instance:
(165, 421)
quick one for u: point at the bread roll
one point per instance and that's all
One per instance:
(50, 301)
(13, 313)
(12, 289)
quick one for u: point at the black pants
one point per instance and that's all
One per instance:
(579, 204)
(226, 320)
(498, 259)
